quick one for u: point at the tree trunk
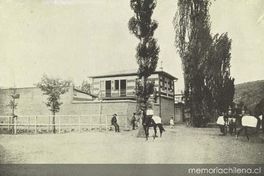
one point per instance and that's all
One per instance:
(141, 132)
(53, 123)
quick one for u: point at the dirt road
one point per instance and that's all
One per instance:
(178, 145)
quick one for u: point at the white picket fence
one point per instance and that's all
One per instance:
(63, 123)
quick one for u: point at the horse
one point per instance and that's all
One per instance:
(259, 113)
(149, 121)
(249, 121)
(225, 122)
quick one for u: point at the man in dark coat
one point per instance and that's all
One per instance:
(133, 121)
(114, 122)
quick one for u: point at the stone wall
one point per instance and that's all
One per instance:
(32, 103)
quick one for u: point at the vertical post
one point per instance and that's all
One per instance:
(106, 123)
(90, 124)
(15, 125)
(36, 124)
(59, 124)
(127, 118)
(100, 115)
(8, 126)
(79, 124)
(49, 124)
(28, 123)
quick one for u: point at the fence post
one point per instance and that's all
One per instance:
(106, 123)
(28, 123)
(36, 124)
(59, 125)
(15, 125)
(100, 115)
(79, 124)
(8, 126)
(49, 124)
(90, 124)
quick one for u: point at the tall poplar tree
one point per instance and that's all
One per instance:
(193, 41)
(209, 88)
(143, 27)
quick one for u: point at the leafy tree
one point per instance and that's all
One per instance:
(86, 87)
(217, 74)
(53, 88)
(13, 105)
(205, 61)
(193, 41)
(140, 93)
(143, 27)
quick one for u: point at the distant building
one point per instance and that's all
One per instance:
(110, 93)
(179, 107)
(122, 86)
(178, 98)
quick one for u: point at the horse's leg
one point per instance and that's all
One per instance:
(155, 131)
(262, 123)
(246, 132)
(235, 127)
(225, 129)
(239, 131)
(160, 129)
(145, 130)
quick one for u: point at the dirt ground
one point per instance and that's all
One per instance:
(178, 145)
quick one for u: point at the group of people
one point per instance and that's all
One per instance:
(232, 120)
(114, 122)
(135, 120)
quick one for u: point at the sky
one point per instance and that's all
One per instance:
(75, 39)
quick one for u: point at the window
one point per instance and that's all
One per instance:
(108, 88)
(123, 88)
(170, 85)
(162, 82)
(116, 84)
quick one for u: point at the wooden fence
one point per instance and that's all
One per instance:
(63, 123)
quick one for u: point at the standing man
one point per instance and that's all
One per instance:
(114, 122)
(231, 121)
(133, 121)
(222, 123)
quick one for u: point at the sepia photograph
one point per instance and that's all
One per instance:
(131, 87)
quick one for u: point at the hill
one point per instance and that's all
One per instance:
(250, 93)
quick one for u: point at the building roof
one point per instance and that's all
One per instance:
(92, 95)
(130, 73)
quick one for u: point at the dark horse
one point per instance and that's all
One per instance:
(149, 122)
(259, 111)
